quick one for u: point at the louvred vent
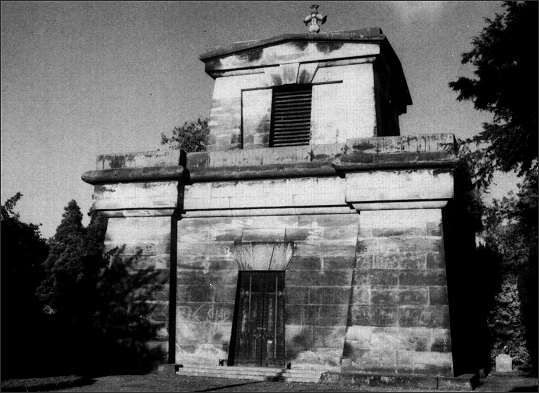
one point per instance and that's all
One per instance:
(291, 115)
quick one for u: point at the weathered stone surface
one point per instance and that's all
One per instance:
(435, 260)
(142, 247)
(209, 278)
(464, 382)
(366, 289)
(381, 150)
(438, 295)
(297, 295)
(441, 340)
(374, 315)
(377, 277)
(436, 363)
(156, 158)
(265, 193)
(329, 337)
(197, 293)
(361, 379)
(202, 312)
(329, 295)
(427, 277)
(398, 185)
(429, 316)
(156, 195)
(413, 296)
(293, 47)
(316, 278)
(414, 339)
(340, 262)
(201, 342)
(399, 263)
(305, 263)
(386, 261)
(256, 116)
(384, 296)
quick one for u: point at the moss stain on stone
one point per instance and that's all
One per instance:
(328, 46)
(117, 161)
(251, 55)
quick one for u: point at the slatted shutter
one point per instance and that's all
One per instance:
(291, 115)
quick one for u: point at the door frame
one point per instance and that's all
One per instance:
(234, 339)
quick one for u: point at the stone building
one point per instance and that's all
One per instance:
(310, 236)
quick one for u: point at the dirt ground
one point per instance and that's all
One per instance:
(158, 382)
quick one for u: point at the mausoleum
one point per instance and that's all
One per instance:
(311, 237)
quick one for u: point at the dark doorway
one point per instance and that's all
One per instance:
(258, 330)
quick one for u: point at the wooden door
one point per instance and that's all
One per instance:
(258, 338)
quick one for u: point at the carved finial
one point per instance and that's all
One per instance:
(314, 20)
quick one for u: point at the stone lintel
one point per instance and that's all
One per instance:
(267, 212)
(138, 213)
(400, 205)
(129, 175)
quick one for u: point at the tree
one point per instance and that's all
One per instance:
(64, 265)
(505, 59)
(23, 252)
(97, 302)
(191, 137)
(505, 236)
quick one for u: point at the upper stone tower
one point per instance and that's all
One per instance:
(301, 89)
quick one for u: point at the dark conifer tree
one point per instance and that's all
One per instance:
(23, 252)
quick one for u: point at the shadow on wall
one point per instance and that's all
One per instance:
(301, 342)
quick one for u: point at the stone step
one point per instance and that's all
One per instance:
(300, 379)
(226, 370)
(251, 373)
(304, 376)
(301, 376)
(227, 373)
(226, 376)
(303, 372)
(215, 367)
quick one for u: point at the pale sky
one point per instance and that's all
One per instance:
(80, 79)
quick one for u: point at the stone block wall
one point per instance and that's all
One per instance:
(318, 289)
(138, 192)
(148, 237)
(399, 310)
(206, 290)
(241, 105)
(317, 282)
(364, 291)
(365, 286)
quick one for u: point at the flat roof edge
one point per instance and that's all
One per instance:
(373, 34)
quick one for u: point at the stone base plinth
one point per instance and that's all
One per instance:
(465, 382)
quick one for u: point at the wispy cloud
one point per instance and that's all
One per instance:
(411, 10)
